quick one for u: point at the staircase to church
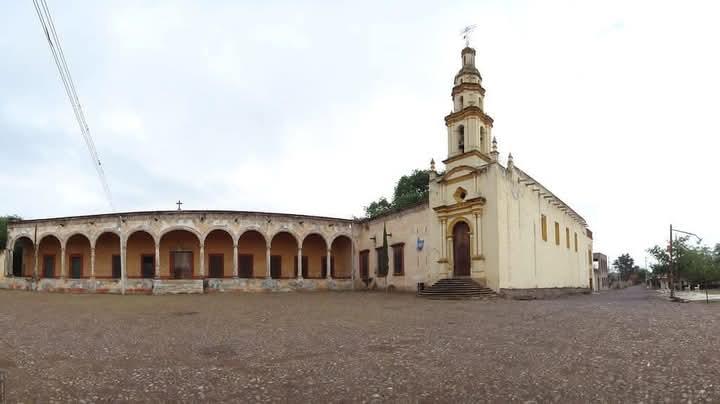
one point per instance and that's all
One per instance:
(456, 289)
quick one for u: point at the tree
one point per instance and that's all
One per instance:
(378, 207)
(696, 264)
(409, 190)
(383, 264)
(625, 265)
(3, 229)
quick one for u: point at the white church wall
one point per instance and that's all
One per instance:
(526, 261)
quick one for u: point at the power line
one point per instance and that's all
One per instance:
(48, 25)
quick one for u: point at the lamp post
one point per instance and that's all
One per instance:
(672, 280)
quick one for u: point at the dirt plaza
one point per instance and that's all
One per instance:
(361, 347)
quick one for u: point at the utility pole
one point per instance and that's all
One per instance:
(670, 268)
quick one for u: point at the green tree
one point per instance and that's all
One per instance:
(383, 264)
(3, 229)
(409, 190)
(625, 265)
(378, 207)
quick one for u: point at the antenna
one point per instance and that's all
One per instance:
(466, 32)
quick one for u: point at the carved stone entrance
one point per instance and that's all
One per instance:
(461, 249)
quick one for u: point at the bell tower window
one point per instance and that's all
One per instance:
(461, 139)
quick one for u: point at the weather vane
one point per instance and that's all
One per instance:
(466, 32)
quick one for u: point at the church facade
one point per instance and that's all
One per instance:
(484, 220)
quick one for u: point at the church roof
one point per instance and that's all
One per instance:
(187, 212)
(526, 179)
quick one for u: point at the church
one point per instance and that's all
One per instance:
(484, 222)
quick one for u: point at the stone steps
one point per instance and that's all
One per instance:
(457, 289)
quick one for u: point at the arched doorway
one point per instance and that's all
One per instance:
(23, 257)
(49, 252)
(314, 250)
(219, 254)
(461, 249)
(283, 256)
(181, 250)
(108, 264)
(77, 256)
(341, 258)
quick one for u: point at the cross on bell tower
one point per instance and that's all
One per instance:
(178, 203)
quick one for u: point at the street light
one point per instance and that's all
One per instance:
(672, 280)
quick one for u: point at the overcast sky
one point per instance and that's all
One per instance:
(318, 107)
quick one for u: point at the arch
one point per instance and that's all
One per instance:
(104, 231)
(77, 233)
(142, 228)
(223, 228)
(283, 254)
(11, 242)
(341, 256)
(461, 248)
(182, 228)
(218, 250)
(252, 250)
(314, 250)
(140, 247)
(316, 233)
(180, 248)
(107, 254)
(77, 255)
(453, 222)
(297, 238)
(343, 234)
(23, 258)
(49, 234)
(49, 255)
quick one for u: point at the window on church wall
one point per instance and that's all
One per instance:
(543, 227)
(576, 242)
(567, 238)
(557, 233)
(461, 139)
(398, 259)
(364, 264)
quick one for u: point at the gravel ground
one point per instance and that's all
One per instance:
(617, 346)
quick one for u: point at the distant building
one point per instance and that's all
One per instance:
(600, 272)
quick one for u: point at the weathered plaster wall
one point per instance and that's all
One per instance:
(525, 260)
(407, 226)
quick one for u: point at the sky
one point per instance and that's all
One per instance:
(319, 107)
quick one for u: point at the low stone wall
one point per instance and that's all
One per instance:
(17, 283)
(275, 285)
(177, 286)
(541, 293)
(158, 287)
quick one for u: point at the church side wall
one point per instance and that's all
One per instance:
(416, 228)
(526, 261)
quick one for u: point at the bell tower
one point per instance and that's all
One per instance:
(468, 127)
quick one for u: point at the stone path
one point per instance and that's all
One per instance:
(629, 345)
